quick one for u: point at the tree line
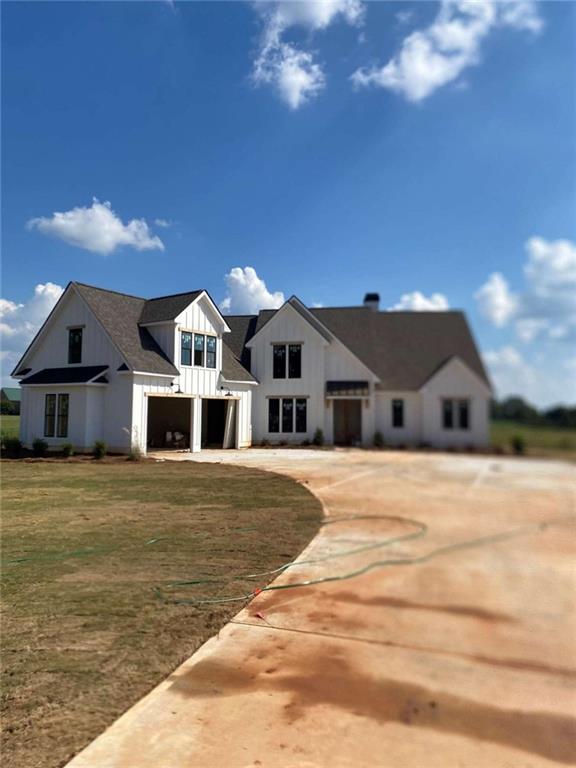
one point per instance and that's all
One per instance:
(517, 409)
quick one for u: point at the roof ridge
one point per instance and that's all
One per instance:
(108, 290)
(173, 295)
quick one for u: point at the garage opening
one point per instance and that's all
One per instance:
(347, 422)
(169, 422)
(218, 423)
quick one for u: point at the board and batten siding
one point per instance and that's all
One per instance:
(411, 432)
(455, 380)
(199, 317)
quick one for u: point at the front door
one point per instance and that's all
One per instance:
(347, 422)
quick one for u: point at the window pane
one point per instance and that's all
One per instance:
(274, 415)
(198, 349)
(186, 348)
(62, 429)
(447, 414)
(75, 345)
(301, 414)
(463, 414)
(398, 413)
(210, 351)
(294, 361)
(288, 415)
(279, 356)
(49, 415)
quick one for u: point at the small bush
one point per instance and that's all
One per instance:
(318, 438)
(378, 440)
(135, 454)
(518, 444)
(99, 449)
(11, 447)
(7, 409)
(39, 447)
(67, 450)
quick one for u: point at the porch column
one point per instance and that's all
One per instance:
(196, 425)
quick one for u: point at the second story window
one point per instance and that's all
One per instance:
(210, 352)
(287, 359)
(74, 345)
(199, 340)
(185, 348)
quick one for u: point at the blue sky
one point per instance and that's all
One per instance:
(422, 150)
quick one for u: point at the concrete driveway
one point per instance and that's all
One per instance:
(463, 660)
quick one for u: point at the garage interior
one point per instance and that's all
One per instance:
(218, 423)
(169, 421)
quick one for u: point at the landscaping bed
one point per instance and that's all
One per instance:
(88, 551)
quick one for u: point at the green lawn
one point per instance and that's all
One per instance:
(10, 426)
(85, 546)
(540, 441)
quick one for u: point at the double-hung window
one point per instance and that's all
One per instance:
(456, 413)
(185, 348)
(287, 361)
(398, 413)
(56, 415)
(210, 351)
(74, 345)
(199, 341)
(287, 414)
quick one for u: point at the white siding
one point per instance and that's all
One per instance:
(411, 433)
(199, 318)
(455, 380)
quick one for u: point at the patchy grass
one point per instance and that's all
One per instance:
(540, 441)
(85, 545)
(10, 426)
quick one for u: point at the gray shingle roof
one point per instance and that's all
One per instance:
(167, 307)
(78, 375)
(119, 314)
(404, 349)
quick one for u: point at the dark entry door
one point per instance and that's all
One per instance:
(347, 422)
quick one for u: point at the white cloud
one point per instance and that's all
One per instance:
(417, 302)
(163, 223)
(513, 375)
(294, 73)
(20, 322)
(404, 17)
(247, 293)
(495, 299)
(547, 305)
(97, 229)
(432, 57)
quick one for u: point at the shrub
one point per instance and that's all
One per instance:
(378, 440)
(12, 447)
(99, 449)
(318, 438)
(135, 454)
(518, 444)
(67, 450)
(39, 447)
(7, 409)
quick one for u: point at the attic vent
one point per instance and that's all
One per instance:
(372, 301)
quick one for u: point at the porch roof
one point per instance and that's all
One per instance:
(81, 374)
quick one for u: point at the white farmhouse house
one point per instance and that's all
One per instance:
(173, 372)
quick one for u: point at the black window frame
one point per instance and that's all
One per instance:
(294, 361)
(186, 348)
(199, 354)
(398, 413)
(75, 338)
(464, 411)
(62, 414)
(279, 361)
(274, 415)
(300, 415)
(447, 413)
(50, 417)
(287, 415)
(211, 353)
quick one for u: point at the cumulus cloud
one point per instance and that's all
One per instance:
(292, 72)
(547, 305)
(97, 229)
(247, 293)
(512, 374)
(432, 57)
(20, 322)
(417, 302)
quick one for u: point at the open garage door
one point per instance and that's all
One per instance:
(169, 421)
(219, 423)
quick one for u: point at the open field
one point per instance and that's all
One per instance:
(540, 441)
(84, 547)
(10, 425)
